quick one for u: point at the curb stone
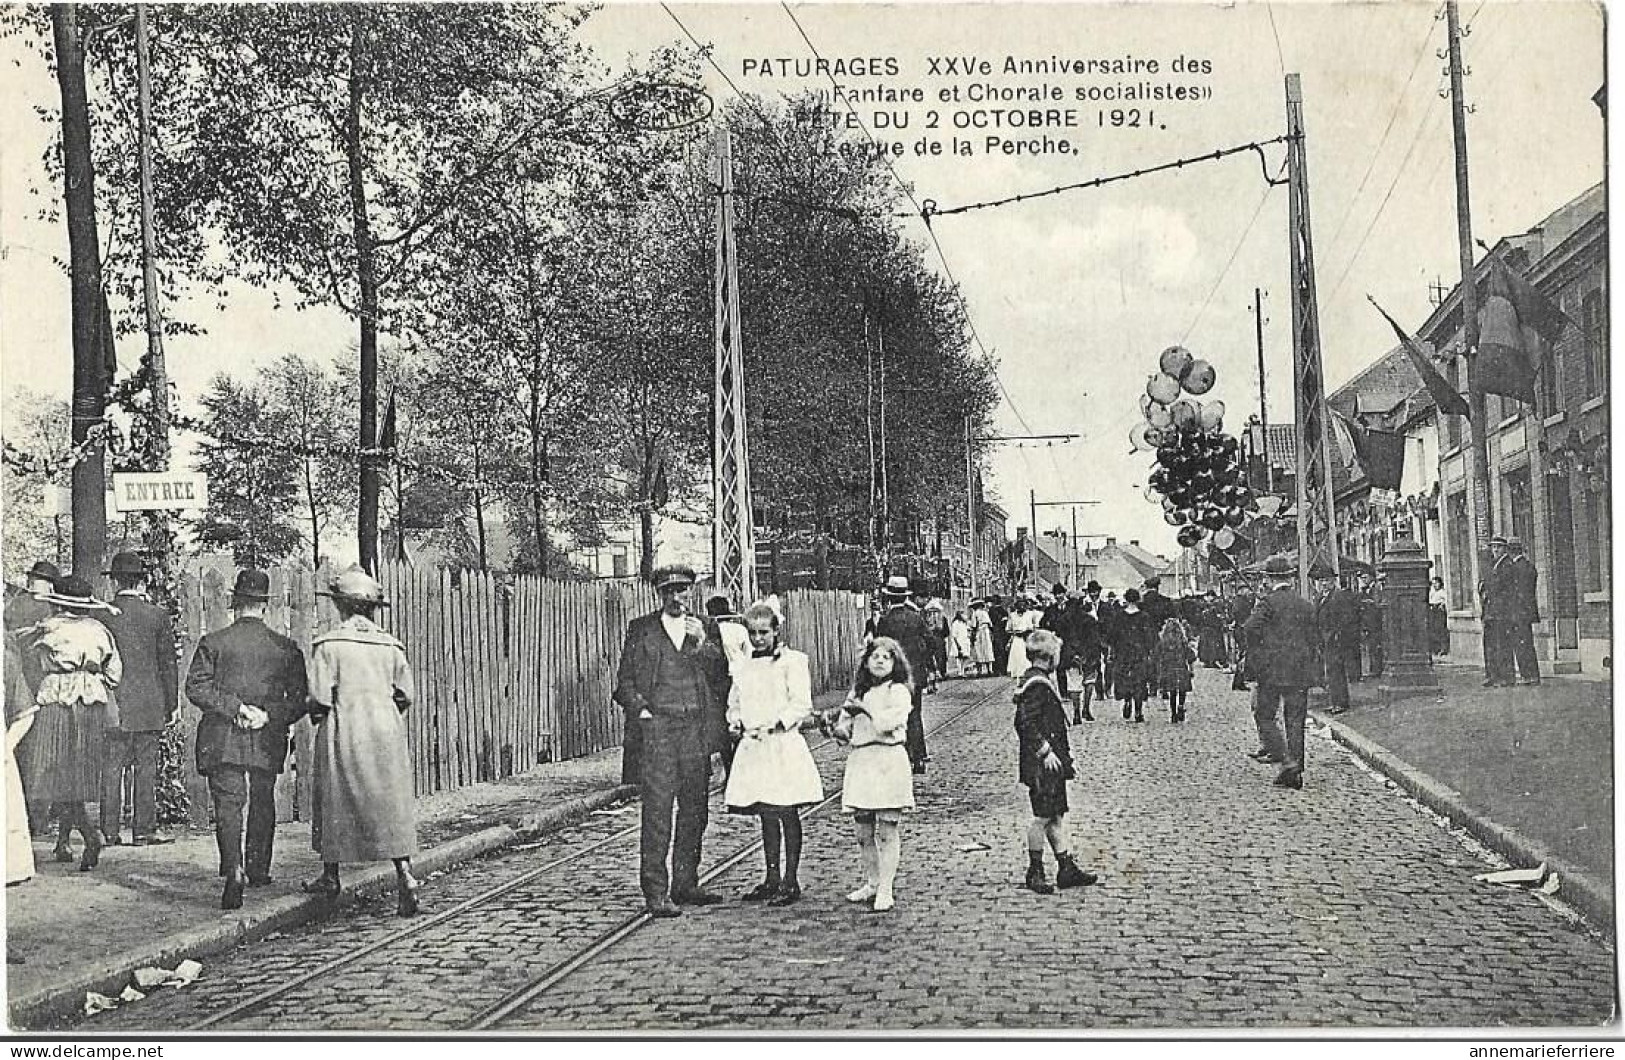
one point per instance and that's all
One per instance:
(64, 1000)
(1580, 888)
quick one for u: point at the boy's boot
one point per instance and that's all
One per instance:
(1069, 875)
(1077, 709)
(1035, 874)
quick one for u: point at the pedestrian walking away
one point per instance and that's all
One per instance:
(360, 690)
(1133, 667)
(877, 785)
(250, 684)
(81, 667)
(774, 775)
(1173, 666)
(1080, 651)
(1045, 758)
(23, 613)
(904, 623)
(673, 685)
(147, 703)
(1283, 656)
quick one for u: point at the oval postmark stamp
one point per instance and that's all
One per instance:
(661, 106)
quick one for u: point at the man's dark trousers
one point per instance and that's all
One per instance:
(1337, 676)
(1498, 650)
(232, 789)
(130, 749)
(914, 738)
(1294, 704)
(676, 768)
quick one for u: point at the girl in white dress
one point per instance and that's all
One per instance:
(1018, 625)
(773, 773)
(879, 782)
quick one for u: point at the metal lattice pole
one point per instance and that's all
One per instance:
(733, 547)
(1317, 536)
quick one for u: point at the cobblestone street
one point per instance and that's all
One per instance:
(1224, 902)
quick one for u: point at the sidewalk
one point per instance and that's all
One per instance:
(87, 931)
(1535, 761)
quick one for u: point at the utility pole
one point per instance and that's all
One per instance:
(869, 419)
(159, 536)
(733, 542)
(1032, 538)
(970, 503)
(885, 480)
(1317, 528)
(1263, 406)
(1478, 429)
(1036, 504)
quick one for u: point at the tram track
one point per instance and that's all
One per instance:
(493, 1014)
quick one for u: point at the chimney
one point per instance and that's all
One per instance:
(1135, 542)
(1111, 542)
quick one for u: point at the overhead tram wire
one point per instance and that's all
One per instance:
(1393, 116)
(924, 214)
(1234, 253)
(1280, 58)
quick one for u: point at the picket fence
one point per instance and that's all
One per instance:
(509, 673)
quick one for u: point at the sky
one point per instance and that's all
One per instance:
(1075, 294)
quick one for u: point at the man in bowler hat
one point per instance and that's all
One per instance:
(250, 685)
(1338, 613)
(1283, 656)
(1498, 593)
(145, 637)
(673, 684)
(1526, 612)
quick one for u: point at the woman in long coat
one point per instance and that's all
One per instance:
(1132, 654)
(81, 667)
(20, 712)
(360, 689)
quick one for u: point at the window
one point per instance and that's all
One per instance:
(1518, 509)
(1593, 516)
(1452, 424)
(1459, 554)
(1594, 318)
(1549, 381)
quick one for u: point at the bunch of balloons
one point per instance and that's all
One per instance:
(1198, 472)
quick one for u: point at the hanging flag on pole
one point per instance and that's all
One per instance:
(1380, 454)
(1515, 325)
(1444, 395)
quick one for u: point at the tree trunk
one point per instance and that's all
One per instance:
(646, 513)
(479, 506)
(367, 282)
(92, 370)
(315, 518)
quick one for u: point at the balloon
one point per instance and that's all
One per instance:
(1269, 506)
(1245, 498)
(1234, 516)
(1159, 416)
(1162, 388)
(1190, 535)
(1213, 519)
(1157, 436)
(1136, 438)
(1200, 378)
(1173, 518)
(1175, 361)
(1212, 415)
(1168, 505)
(1184, 414)
(1225, 538)
(1145, 404)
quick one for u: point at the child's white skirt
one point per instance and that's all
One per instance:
(878, 777)
(776, 770)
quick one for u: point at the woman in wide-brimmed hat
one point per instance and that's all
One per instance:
(360, 689)
(81, 667)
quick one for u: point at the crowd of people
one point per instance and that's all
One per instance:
(91, 685)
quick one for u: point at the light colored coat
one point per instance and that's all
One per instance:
(364, 807)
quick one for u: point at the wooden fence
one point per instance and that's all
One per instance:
(509, 673)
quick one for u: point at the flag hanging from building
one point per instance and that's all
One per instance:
(1515, 325)
(1444, 395)
(1380, 454)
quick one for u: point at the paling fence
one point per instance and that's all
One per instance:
(510, 672)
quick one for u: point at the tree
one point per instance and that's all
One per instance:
(39, 429)
(306, 402)
(253, 476)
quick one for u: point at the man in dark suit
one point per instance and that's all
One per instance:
(1526, 612)
(1373, 607)
(147, 696)
(905, 624)
(1283, 656)
(1158, 608)
(1338, 613)
(1080, 647)
(250, 685)
(673, 685)
(1499, 607)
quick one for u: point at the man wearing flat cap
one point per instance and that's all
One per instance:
(673, 685)
(251, 686)
(1283, 655)
(146, 702)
